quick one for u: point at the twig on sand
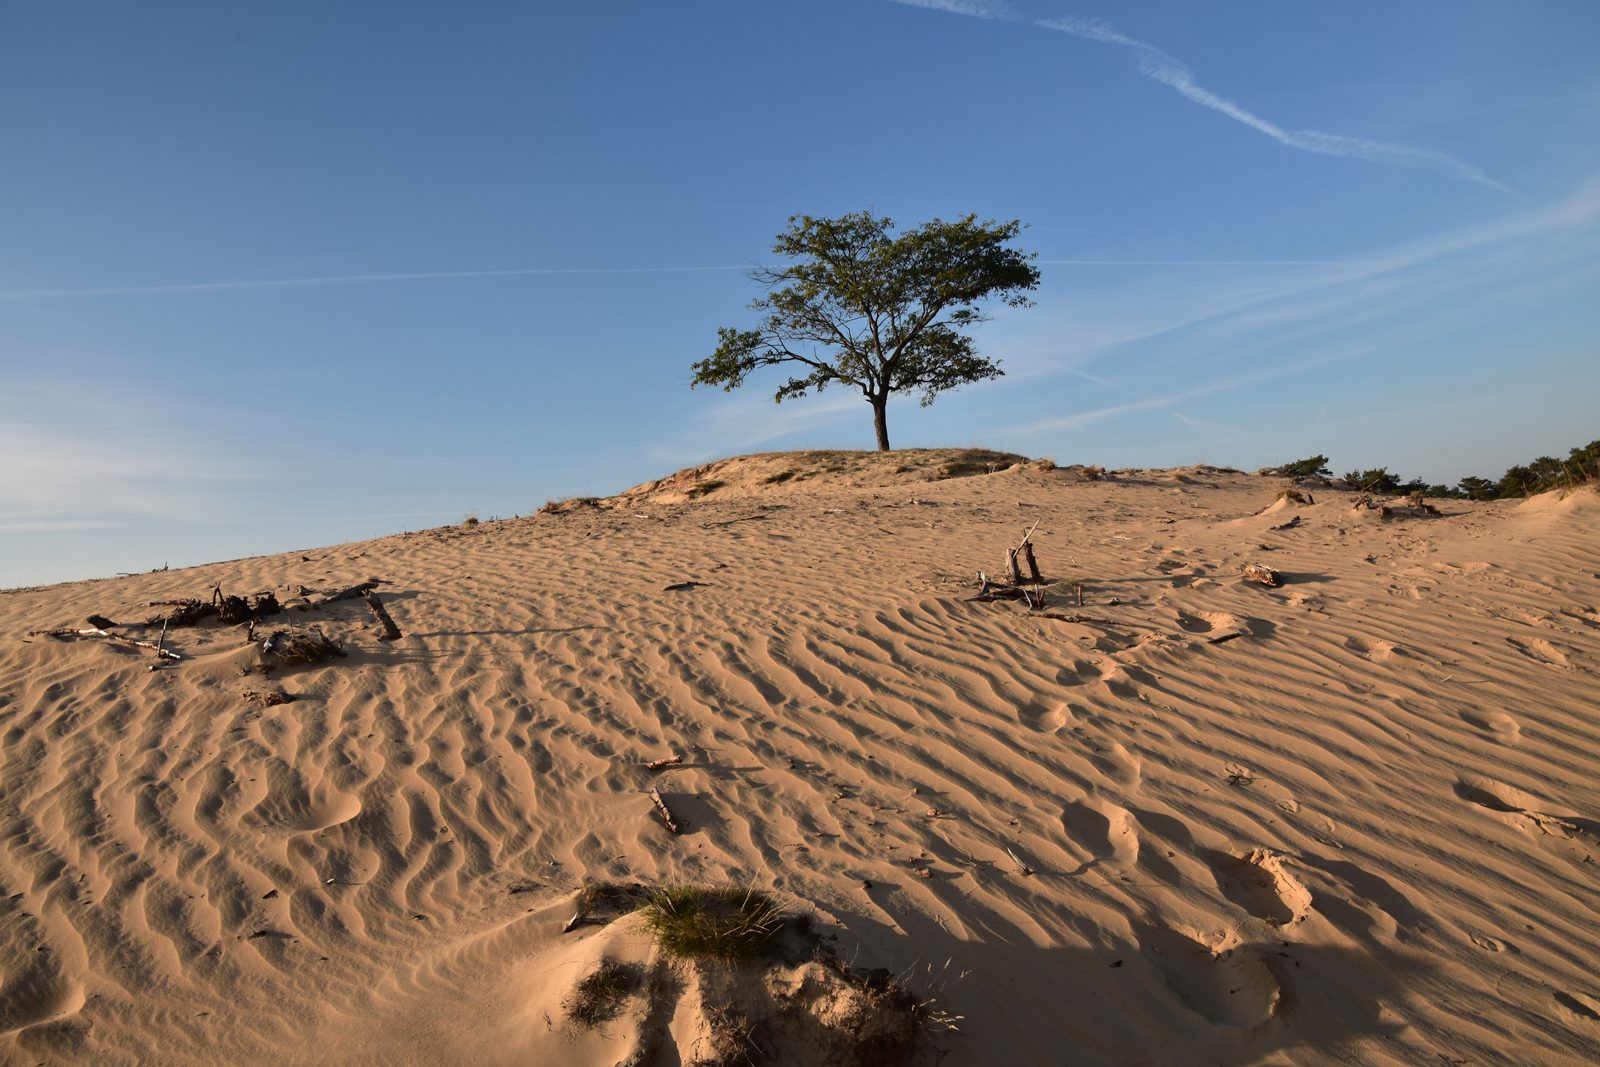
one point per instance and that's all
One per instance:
(664, 762)
(1023, 867)
(666, 812)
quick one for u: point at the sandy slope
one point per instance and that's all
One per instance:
(1363, 831)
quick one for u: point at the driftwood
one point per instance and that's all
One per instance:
(183, 613)
(666, 812)
(350, 593)
(1291, 524)
(97, 632)
(391, 632)
(1255, 572)
(286, 646)
(664, 762)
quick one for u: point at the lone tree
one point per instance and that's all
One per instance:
(860, 306)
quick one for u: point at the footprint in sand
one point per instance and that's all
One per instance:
(1104, 835)
(1518, 806)
(1227, 987)
(1045, 718)
(1582, 1005)
(1495, 723)
(1118, 764)
(1258, 883)
(1377, 651)
(1539, 650)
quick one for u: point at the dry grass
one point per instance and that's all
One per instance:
(600, 996)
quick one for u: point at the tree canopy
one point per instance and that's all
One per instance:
(860, 306)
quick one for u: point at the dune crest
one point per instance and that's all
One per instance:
(1190, 819)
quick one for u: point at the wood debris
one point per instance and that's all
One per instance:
(391, 632)
(666, 812)
(1260, 574)
(664, 762)
(97, 632)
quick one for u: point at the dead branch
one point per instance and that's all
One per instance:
(391, 632)
(351, 592)
(288, 647)
(664, 762)
(183, 613)
(666, 812)
(104, 636)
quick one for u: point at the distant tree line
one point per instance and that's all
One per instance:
(1582, 465)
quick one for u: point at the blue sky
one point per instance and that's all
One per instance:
(276, 276)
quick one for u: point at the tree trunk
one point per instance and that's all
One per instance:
(880, 420)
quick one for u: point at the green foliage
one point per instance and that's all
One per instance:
(860, 306)
(1376, 480)
(700, 921)
(1581, 466)
(1313, 467)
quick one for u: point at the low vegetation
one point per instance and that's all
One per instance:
(599, 997)
(1581, 467)
(728, 923)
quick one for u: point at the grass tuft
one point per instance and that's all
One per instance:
(728, 923)
(599, 997)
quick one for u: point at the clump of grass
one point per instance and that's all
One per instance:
(703, 488)
(568, 503)
(1293, 496)
(599, 997)
(775, 479)
(729, 923)
(1044, 464)
(470, 520)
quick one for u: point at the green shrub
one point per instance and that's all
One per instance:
(1312, 467)
(729, 923)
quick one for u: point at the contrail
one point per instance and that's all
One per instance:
(1175, 74)
(346, 279)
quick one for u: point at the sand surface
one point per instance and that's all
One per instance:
(1362, 829)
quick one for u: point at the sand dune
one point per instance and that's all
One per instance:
(1352, 819)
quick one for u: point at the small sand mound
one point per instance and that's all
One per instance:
(786, 473)
(613, 995)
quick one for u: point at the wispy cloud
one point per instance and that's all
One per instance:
(348, 279)
(1172, 72)
(978, 9)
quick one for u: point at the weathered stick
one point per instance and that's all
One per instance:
(351, 593)
(1033, 564)
(1023, 867)
(666, 812)
(664, 762)
(391, 632)
(117, 638)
